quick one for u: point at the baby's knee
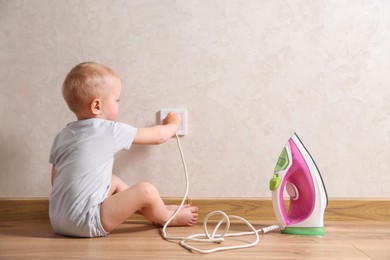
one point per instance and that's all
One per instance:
(148, 190)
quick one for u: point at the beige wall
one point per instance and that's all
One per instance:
(249, 72)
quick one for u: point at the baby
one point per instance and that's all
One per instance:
(87, 199)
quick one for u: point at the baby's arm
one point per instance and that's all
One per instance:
(159, 133)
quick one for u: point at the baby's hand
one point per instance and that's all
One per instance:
(172, 118)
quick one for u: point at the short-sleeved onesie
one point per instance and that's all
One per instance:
(83, 155)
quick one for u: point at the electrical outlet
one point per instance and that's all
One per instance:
(182, 113)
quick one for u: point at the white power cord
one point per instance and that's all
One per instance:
(213, 237)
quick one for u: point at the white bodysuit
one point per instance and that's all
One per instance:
(83, 155)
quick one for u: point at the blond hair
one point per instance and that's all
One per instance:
(84, 83)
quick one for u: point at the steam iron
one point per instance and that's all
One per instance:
(297, 175)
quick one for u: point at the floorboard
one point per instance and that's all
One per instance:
(34, 239)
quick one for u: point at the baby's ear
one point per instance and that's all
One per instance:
(96, 106)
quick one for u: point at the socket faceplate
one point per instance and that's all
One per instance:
(182, 112)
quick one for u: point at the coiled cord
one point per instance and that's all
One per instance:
(213, 237)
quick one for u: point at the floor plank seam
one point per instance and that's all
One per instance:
(360, 250)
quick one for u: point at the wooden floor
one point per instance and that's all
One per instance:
(34, 239)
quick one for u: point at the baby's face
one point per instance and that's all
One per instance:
(110, 100)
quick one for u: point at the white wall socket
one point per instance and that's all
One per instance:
(182, 113)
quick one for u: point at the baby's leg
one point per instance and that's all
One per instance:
(117, 185)
(144, 197)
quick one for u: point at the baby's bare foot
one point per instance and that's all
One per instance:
(174, 207)
(187, 216)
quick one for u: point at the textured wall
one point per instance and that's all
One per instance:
(249, 72)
